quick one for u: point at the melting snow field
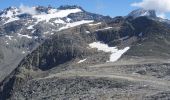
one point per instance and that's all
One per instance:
(115, 53)
(69, 25)
(10, 15)
(9, 37)
(30, 27)
(26, 36)
(11, 20)
(88, 32)
(107, 28)
(95, 24)
(53, 13)
(81, 61)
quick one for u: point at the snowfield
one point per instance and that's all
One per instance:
(26, 36)
(9, 37)
(11, 20)
(11, 15)
(115, 53)
(30, 27)
(107, 28)
(87, 32)
(81, 61)
(69, 25)
(59, 21)
(53, 13)
(95, 24)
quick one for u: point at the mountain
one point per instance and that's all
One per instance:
(23, 30)
(142, 12)
(69, 53)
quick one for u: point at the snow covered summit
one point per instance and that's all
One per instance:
(142, 12)
(39, 13)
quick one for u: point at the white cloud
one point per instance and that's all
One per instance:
(161, 15)
(160, 6)
(27, 9)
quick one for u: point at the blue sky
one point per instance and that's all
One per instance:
(106, 7)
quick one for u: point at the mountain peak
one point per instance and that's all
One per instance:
(142, 12)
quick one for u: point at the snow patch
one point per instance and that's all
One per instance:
(145, 14)
(141, 34)
(33, 31)
(95, 24)
(26, 36)
(82, 61)
(23, 52)
(35, 37)
(11, 20)
(56, 14)
(59, 21)
(52, 11)
(115, 53)
(68, 20)
(9, 37)
(69, 25)
(88, 32)
(11, 15)
(7, 42)
(30, 27)
(107, 28)
(102, 47)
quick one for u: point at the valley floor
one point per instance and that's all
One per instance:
(102, 82)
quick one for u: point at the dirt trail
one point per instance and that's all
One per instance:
(133, 62)
(145, 80)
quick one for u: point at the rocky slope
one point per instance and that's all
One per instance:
(82, 55)
(21, 31)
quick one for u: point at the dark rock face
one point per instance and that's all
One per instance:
(25, 16)
(6, 92)
(42, 9)
(13, 27)
(60, 49)
(154, 38)
(69, 7)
